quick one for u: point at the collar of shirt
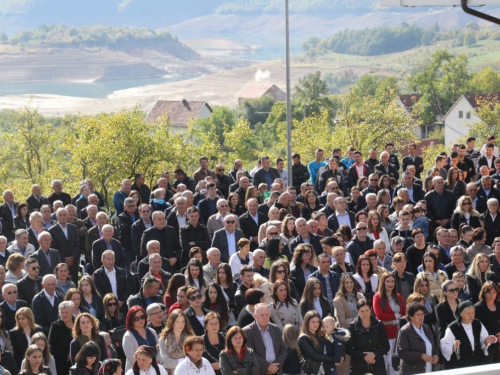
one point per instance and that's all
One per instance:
(112, 272)
(51, 298)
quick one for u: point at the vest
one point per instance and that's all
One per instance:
(469, 356)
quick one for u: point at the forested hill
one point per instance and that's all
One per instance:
(116, 38)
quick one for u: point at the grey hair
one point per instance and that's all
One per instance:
(66, 305)
(152, 307)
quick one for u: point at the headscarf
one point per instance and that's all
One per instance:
(109, 366)
(461, 307)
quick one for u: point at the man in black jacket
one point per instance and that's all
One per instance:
(147, 295)
(141, 187)
(152, 247)
(36, 199)
(170, 247)
(65, 239)
(478, 202)
(491, 220)
(109, 278)
(224, 180)
(107, 242)
(208, 205)
(155, 270)
(384, 167)
(440, 205)
(305, 237)
(139, 227)
(8, 212)
(31, 284)
(246, 277)
(125, 221)
(47, 258)
(300, 172)
(359, 243)
(10, 305)
(193, 234)
(415, 191)
(412, 159)
(266, 174)
(250, 222)
(45, 304)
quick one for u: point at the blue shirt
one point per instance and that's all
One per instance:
(314, 168)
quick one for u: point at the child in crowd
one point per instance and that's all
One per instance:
(337, 336)
(459, 279)
(420, 220)
(466, 236)
(403, 229)
(110, 351)
(158, 202)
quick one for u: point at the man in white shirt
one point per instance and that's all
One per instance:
(226, 240)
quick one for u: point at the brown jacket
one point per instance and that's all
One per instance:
(343, 312)
(411, 347)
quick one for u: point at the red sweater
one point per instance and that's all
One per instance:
(387, 314)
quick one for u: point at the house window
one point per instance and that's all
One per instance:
(467, 115)
(460, 114)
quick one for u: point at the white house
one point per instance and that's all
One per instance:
(462, 115)
(179, 112)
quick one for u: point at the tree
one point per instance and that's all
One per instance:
(4, 38)
(485, 81)
(470, 38)
(255, 110)
(371, 121)
(312, 94)
(111, 147)
(489, 114)
(442, 79)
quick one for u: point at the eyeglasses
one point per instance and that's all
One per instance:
(280, 272)
(466, 204)
(456, 290)
(194, 298)
(35, 268)
(138, 318)
(145, 212)
(13, 292)
(273, 233)
(220, 170)
(223, 206)
(230, 222)
(362, 228)
(113, 304)
(373, 179)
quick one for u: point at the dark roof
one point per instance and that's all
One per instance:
(179, 112)
(409, 100)
(473, 99)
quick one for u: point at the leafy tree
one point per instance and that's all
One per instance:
(485, 81)
(442, 79)
(370, 121)
(4, 38)
(489, 113)
(470, 38)
(312, 94)
(220, 121)
(255, 110)
(429, 154)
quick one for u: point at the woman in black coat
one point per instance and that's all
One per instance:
(488, 313)
(464, 207)
(316, 348)
(22, 218)
(368, 343)
(445, 310)
(215, 341)
(60, 337)
(313, 299)
(252, 297)
(25, 326)
(301, 266)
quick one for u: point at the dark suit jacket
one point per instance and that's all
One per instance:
(198, 235)
(434, 210)
(491, 227)
(8, 220)
(250, 228)
(393, 172)
(45, 314)
(26, 288)
(92, 236)
(327, 210)
(259, 178)
(45, 267)
(482, 160)
(99, 246)
(256, 343)
(9, 315)
(20, 343)
(124, 224)
(494, 193)
(333, 222)
(418, 163)
(103, 285)
(313, 240)
(204, 208)
(34, 204)
(143, 267)
(32, 238)
(418, 193)
(20, 223)
(138, 229)
(67, 246)
(352, 174)
(170, 246)
(172, 221)
(481, 206)
(220, 242)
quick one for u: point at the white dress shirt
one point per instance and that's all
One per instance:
(448, 339)
(112, 280)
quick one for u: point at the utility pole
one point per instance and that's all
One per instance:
(288, 104)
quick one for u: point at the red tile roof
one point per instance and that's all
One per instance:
(179, 112)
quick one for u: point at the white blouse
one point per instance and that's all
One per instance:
(149, 371)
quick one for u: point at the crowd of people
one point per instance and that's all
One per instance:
(356, 266)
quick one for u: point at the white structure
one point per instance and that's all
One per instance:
(179, 112)
(463, 114)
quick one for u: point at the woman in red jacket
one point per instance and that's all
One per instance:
(388, 306)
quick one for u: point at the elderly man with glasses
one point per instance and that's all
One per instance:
(226, 240)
